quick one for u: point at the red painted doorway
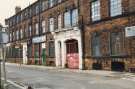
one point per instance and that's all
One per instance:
(72, 55)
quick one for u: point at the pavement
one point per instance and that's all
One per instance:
(42, 77)
(94, 72)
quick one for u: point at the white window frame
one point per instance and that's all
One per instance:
(37, 28)
(95, 10)
(59, 22)
(74, 17)
(37, 9)
(43, 5)
(43, 26)
(21, 33)
(67, 19)
(115, 7)
(17, 34)
(51, 24)
(51, 3)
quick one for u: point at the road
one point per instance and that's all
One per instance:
(53, 79)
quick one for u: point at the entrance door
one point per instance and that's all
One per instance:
(72, 54)
(118, 66)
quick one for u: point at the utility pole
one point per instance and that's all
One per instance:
(81, 27)
(0, 76)
(3, 42)
(4, 69)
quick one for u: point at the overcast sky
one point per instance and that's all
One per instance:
(7, 7)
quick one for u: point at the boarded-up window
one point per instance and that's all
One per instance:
(96, 44)
(116, 43)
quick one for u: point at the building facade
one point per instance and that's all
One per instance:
(42, 33)
(107, 44)
(84, 34)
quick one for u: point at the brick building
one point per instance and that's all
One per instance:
(84, 34)
(41, 29)
(106, 45)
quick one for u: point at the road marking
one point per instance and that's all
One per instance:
(16, 84)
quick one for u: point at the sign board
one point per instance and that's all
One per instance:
(39, 39)
(130, 31)
(3, 38)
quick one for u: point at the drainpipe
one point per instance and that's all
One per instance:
(81, 27)
(31, 36)
(40, 58)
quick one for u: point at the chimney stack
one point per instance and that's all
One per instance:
(17, 9)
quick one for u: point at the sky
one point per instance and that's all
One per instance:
(7, 8)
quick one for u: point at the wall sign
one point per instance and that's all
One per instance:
(130, 31)
(39, 39)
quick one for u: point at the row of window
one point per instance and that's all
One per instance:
(38, 51)
(33, 10)
(70, 19)
(115, 9)
(14, 52)
(116, 44)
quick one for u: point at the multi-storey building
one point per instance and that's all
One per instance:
(107, 43)
(46, 32)
(89, 34)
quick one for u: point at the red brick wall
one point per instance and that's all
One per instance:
(105, 27)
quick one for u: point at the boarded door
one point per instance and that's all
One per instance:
(72, 54)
